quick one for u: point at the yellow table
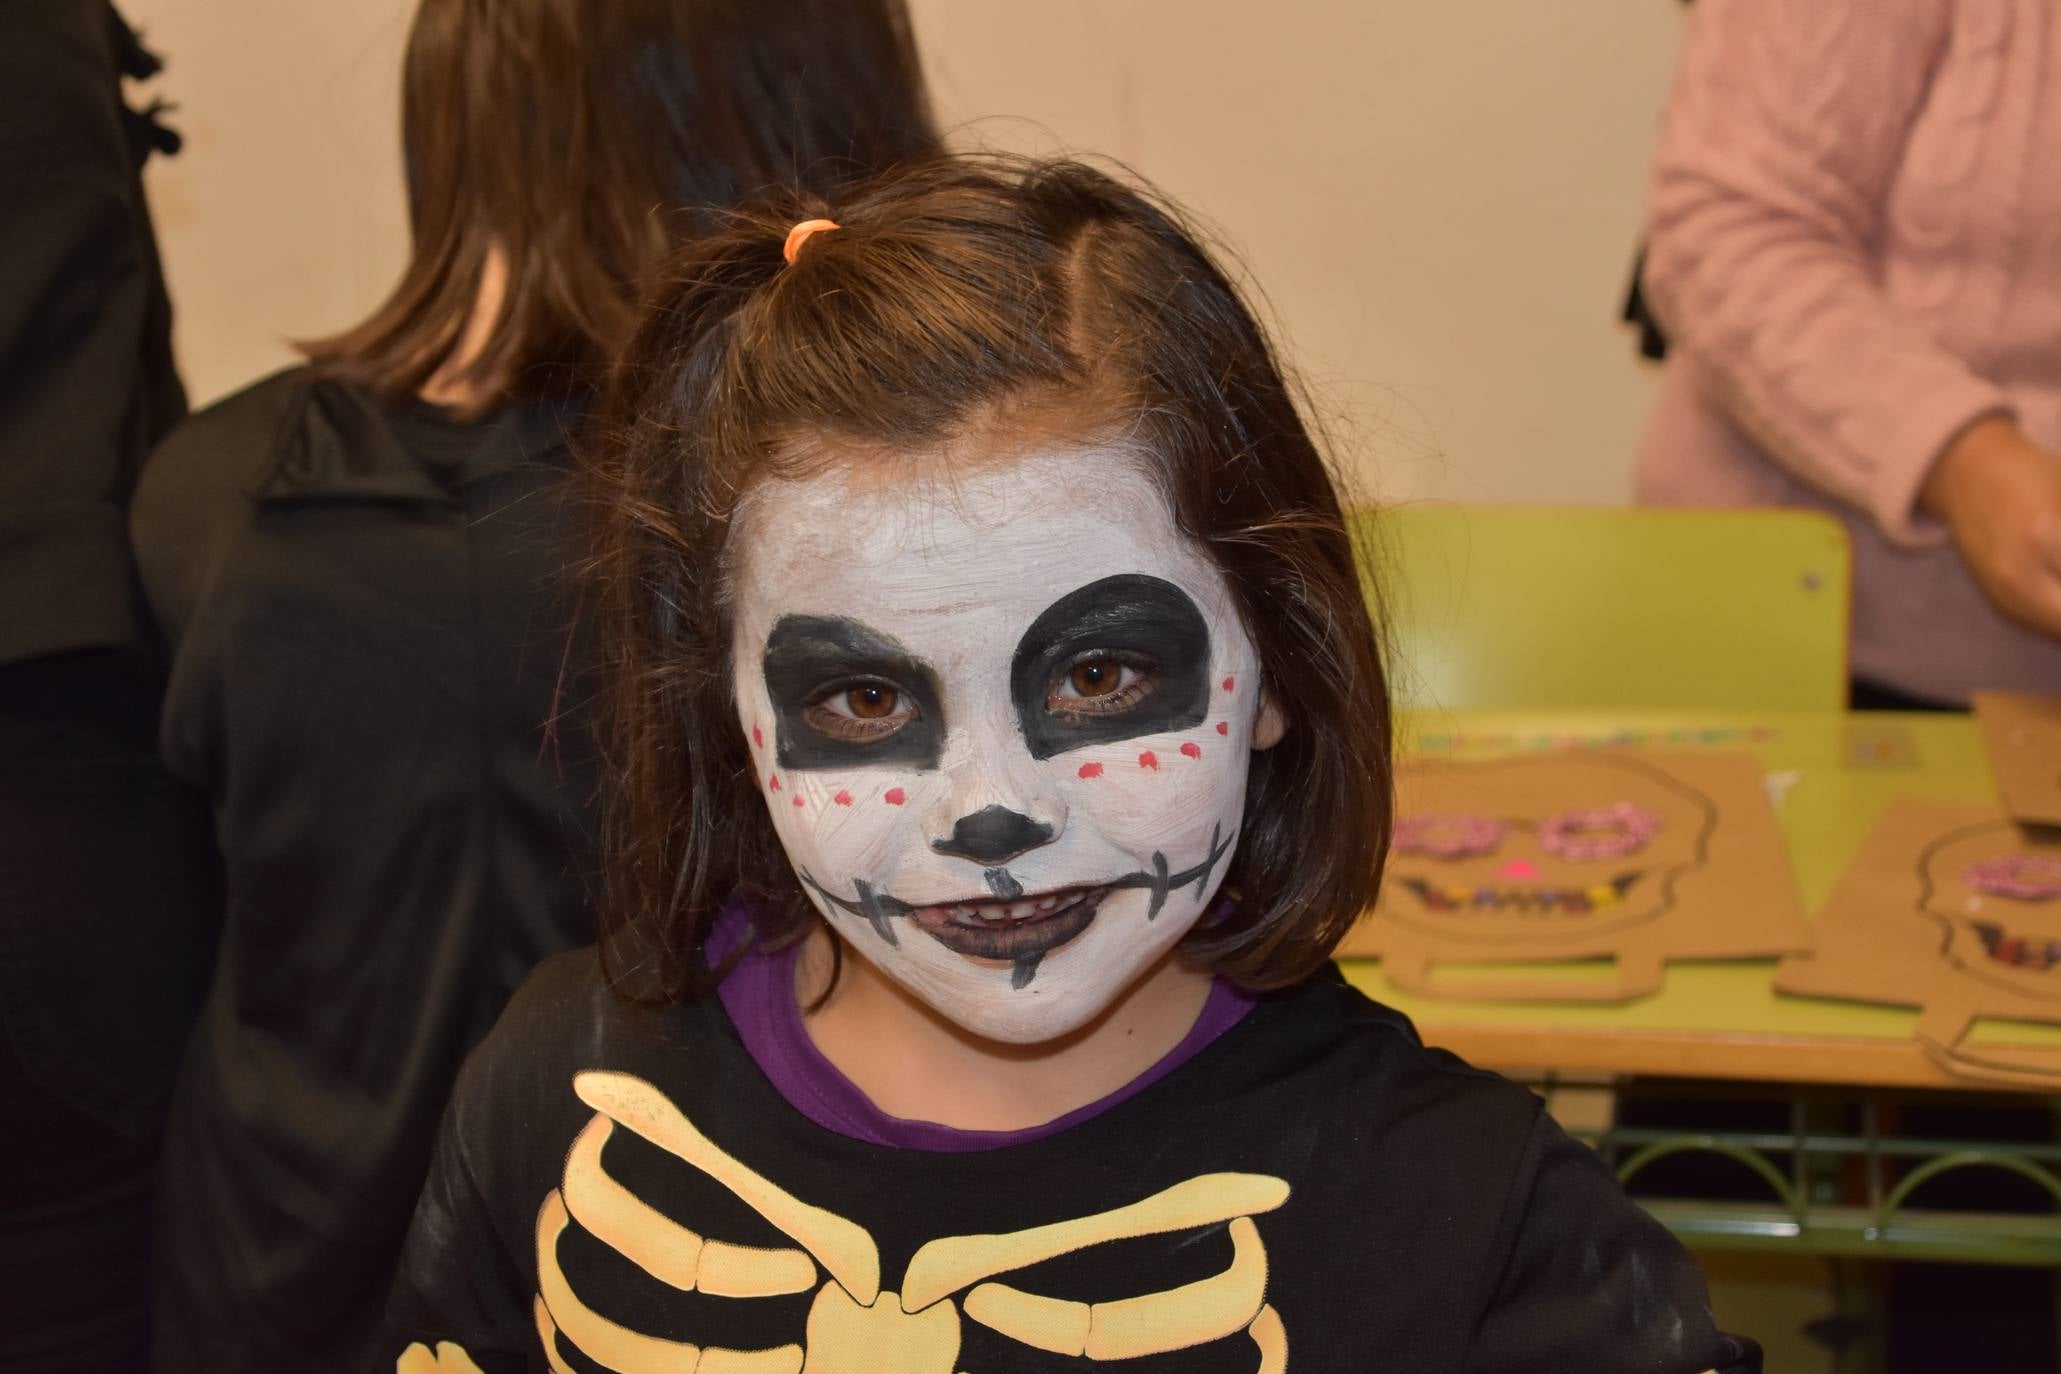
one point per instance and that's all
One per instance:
(1725, 1020)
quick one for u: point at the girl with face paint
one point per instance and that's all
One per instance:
(1000, 746)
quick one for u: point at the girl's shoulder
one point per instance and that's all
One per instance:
(1539, 1256)
(569, 1017)
(1361, 1059)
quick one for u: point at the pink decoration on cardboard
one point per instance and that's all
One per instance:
(2027, 877)
(1598, 833)
(1447, 835)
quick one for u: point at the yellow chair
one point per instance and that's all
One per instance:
(1540, 608)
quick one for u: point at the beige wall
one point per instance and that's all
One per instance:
(283, 216)
(1440, 200)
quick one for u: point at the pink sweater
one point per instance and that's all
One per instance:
(1855, 243)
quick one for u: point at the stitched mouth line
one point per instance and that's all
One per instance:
(1023, 939)
(1462, 899)
(881, 907)
(1021, 944)
(977, 913)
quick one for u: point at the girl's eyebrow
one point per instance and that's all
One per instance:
(810, 646)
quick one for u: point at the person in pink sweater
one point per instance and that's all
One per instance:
(1855, 245)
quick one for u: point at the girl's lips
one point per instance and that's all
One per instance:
(1010, 931)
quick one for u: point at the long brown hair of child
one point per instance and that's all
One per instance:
(582, 139)
(963, 308)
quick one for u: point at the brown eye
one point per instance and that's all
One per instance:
(861, 712)
(1100, 687)
(872, 702)
(1098, 677)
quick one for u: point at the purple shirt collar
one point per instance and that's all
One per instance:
(758, 995)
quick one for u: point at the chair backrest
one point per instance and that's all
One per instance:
(1515, 607)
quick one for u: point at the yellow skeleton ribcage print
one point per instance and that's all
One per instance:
(854, 1323)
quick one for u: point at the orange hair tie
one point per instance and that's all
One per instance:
(799, 235)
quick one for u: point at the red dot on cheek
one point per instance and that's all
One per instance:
(895, 796)
(1148, 759)
(1223, 727)
(757, 737)
(1230, 684)
(843, 798)
(775, 784)
(1192, 749)
(1091, 770)
(797, 799)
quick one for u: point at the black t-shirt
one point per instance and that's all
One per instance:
(1315, 1191)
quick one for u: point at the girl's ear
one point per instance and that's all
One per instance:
(1270, 724)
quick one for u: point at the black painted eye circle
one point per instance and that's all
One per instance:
(1098, 677)
(1124, 656)
(872, 701)
(844, 694)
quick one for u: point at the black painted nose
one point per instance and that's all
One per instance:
(993, 835)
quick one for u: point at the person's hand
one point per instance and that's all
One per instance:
(2000, 494)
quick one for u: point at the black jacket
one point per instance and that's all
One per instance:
(1315, 1191)
(368, 619)
(86, 377)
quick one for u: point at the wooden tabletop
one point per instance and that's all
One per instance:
(1833, 775)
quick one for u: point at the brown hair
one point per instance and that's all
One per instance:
(956, 300)
(584, 138)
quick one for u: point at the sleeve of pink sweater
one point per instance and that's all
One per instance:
(1783, 138)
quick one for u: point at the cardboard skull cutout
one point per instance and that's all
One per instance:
(1577, 848)
(1002, 732)
(1997, 898)
(1579, 855)
(1953, 909)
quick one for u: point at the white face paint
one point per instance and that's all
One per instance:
(1002, 724)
